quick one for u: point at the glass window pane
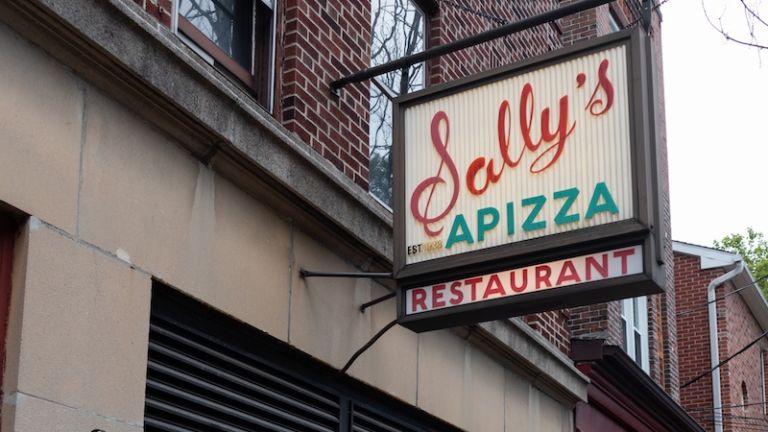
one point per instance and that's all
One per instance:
(638, 349)
(624, 334)
(397, 31)
(637, 312)
(227, 23)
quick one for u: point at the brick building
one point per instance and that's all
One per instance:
(167, 169)
(740, 312)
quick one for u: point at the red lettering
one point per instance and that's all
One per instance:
(543, 273)
(559, 136)
(568, 274)
(418, 298)
(474, 168)
(527, 105)
(523, 285)
(600, 268)
(473, 285)
(431, 182)
(494, 287)
(437, 296)
(598, 106)
(457, 296)
(623, 254)
(504, 127)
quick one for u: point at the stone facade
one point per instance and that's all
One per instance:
(131, 161)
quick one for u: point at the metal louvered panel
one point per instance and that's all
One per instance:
(195, 384)
(364, 420)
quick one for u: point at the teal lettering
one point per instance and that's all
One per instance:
(570, 196)
(537, 202)
(482, 225)
(595, 206)
(459, 224)
(510, 218)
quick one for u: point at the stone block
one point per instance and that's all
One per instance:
(23, 413)
(484, 396)
(147, 200)
(390, 364)
(40, 129)
(251, 264)
(442, 364)
(84, 328)
(516, 403)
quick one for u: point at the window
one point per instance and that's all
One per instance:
(235, 35)
(397, 31)
(613, 22)
(744, 395)
(634, 317)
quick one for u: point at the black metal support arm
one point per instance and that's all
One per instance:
(376, 301)
(309, 273)
(486, 36)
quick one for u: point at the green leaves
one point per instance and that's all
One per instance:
(753, 247)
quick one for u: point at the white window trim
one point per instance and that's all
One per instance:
(628, 314)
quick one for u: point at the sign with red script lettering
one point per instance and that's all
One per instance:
(541, 162)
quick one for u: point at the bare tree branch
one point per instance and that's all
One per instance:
(753, 22)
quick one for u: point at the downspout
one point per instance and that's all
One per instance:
(714, 350)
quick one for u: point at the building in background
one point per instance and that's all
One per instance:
(169, 167)
(722, 317)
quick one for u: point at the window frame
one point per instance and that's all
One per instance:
(634, 316)
(259, 80)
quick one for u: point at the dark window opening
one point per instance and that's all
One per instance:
(744, 395)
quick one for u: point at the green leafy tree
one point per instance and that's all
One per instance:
(753, 247)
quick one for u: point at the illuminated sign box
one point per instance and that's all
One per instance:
(537, 163)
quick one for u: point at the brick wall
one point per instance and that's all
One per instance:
(323, 41)
(460, 19)
(160, 9)
(736, 329)
(692, 326)
(741, 329)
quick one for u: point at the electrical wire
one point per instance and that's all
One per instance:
(695, 308)
(722, 407)
(653, 9)
(705, 373)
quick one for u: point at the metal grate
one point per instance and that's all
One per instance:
(364, 420)
(209, 373)
(195, 384)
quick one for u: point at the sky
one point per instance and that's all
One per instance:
(717, 124)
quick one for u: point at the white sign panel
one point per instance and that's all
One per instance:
(531, 155)
(552, 275)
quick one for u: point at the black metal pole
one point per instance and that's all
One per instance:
(486, 36)
(309, 273)
(368, 344)
(375, 301)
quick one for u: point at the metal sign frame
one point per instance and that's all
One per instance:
(644, 227)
